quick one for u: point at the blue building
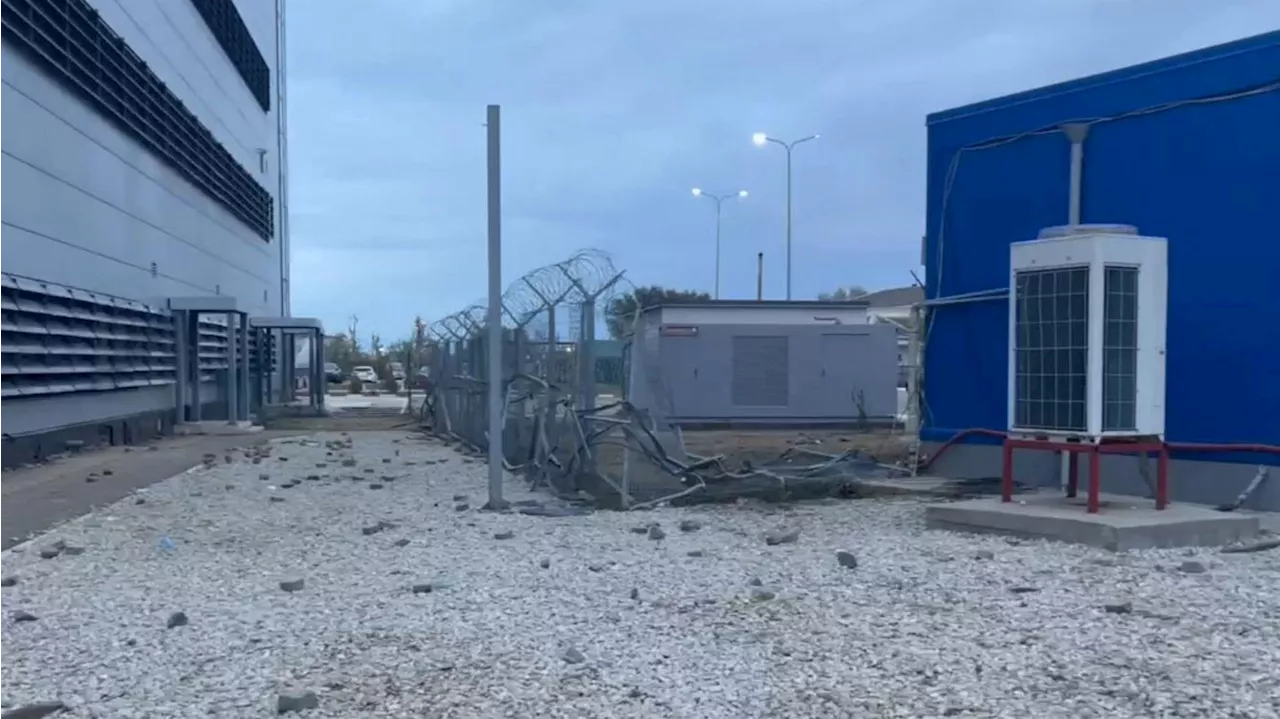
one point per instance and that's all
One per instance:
(1187, 148)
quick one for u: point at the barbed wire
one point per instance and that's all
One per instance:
(586, 275)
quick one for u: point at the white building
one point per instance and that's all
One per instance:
(144, 158)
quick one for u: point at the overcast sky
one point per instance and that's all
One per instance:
(614, 109)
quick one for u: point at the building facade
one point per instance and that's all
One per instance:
(1183, 148)
(144, 158)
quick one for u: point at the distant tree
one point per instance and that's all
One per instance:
(621, 311)
(338, 349)
(843, 294)
(353, 325)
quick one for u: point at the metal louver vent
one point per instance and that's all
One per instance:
(761, 371)
(59, 340)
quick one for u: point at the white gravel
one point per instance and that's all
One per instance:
(921, 628)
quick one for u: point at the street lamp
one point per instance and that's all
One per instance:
(719, 199)
(761, 139)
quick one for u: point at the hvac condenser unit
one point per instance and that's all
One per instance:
(1087, 318)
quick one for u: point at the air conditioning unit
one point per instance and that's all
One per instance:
(1087, 320)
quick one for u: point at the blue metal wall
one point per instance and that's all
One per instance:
(1188, 148)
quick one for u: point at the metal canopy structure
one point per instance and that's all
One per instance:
(198, 362)
(283, 333)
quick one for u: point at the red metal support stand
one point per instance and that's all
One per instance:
(1095, 452)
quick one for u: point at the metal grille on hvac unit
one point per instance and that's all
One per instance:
(1087, 327)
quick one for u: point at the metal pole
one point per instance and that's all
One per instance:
(788, 221)
(759, 277)
(719, 204)
(233, 387)
(496, 419)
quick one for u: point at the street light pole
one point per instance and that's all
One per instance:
(760, 139)
(697, 192)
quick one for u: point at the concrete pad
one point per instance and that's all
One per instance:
(1123, 523)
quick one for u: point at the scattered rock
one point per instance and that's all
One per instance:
(423, 588)
(386, 460)
(760, 594)
(461, 507)
(782, 536)
(505, 535)
(635, 594)
(656, 533)
(21, 616)
(545, 563)
(107, 473)
(177, 619)
(91, 478)
(49, 553)
(1191, 566)
(264, 477)
(321, 465)
(71, 551)
(696, 553)
(373, 528)
(642, 529)
(1023, 590)
(313, 478)
(8, 581)
(984, 554)
(460, 498)
(1119, 608)
(847, 559)
(274, 498)
(39, 710)
(595, 567)
(286, 703)
(140, 500)
(348, 462)
(755, 582)
(573, 656)
(292, 585)
(690, 525)
(375, 485)
(401, 543)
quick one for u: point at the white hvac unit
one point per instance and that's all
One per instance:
(1087, 319)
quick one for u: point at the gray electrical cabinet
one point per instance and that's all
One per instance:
(737, 371)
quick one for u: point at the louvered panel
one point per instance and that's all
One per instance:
(761, 371)
(58, 340)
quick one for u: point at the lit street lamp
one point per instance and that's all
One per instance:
(761, 139)
(719, 199)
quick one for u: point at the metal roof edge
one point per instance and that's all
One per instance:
(766, 304)
(1212, 53)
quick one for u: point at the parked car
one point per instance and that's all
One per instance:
(333, 373)
(365, 374)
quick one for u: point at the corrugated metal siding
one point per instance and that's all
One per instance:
(1203, 172)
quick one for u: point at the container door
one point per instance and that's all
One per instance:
(682, 379)
(840, 374)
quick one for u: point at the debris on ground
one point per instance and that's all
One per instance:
(576, 616)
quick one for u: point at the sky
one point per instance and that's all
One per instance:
(613, 110)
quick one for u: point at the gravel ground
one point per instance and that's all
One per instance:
(412, 606)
